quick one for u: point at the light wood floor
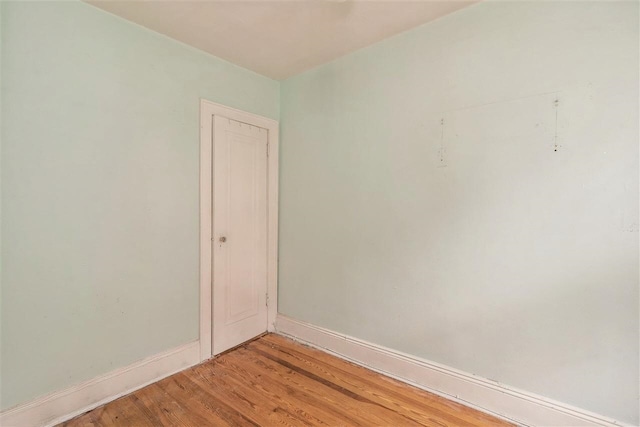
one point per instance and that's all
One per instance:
(273, 381)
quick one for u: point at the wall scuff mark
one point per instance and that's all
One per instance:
(556, 104)
(442, 150)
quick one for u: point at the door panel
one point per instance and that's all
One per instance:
(239, 233)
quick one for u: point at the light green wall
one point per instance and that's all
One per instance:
(100, 190)
(507, 259)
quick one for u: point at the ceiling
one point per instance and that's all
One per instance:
(280, 38)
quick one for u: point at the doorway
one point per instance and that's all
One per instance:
(238, 227)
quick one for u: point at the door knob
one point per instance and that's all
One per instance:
(223, 239)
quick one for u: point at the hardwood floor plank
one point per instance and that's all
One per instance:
(144, 409)
(375, 385)
(334, 412)
(261, 394)
(271, 383)
(122, 413)
(274, 381)
(215, 399)
(410, 408)
(198, 406)
(165, 408)
(371, 408)
(387, 386)
(358, 412)
(253, 408)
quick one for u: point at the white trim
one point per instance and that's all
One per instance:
(67, 403)
(483, 394)
(207, 110)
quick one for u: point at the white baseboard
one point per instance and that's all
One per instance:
(519, 406)
(67, 403)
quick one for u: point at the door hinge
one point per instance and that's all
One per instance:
(268, 147)
(266, 300)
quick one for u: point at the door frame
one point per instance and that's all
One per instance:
(209, 109)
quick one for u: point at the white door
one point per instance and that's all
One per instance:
(239, 233)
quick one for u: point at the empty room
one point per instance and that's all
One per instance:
(319, 213)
